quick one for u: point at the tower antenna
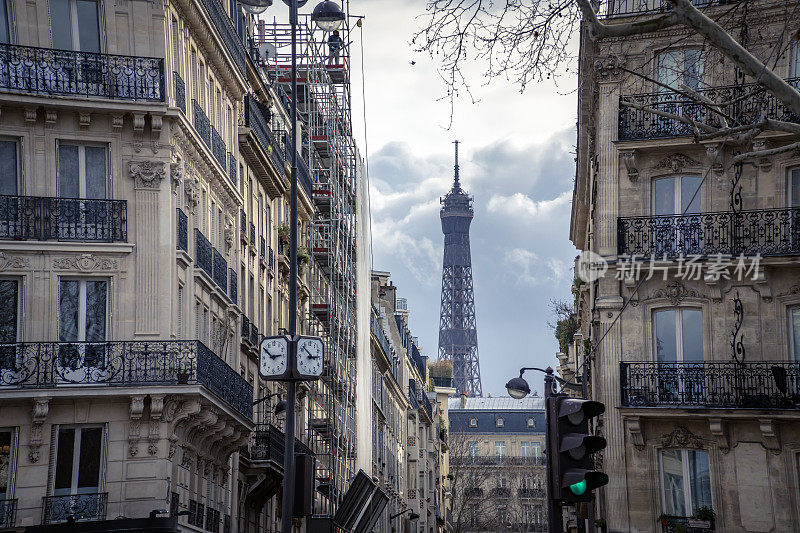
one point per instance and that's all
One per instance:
(456, 184)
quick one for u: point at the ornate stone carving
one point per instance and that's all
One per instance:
(116, 122)
(176, 175)
(719, 431)
(156, 122)
(607, 68)
(12, 262)
(769, 435)
(84, 119)
(631, 164)
(191, 190)
(30, 114)
(156, 412)
(675, 292)
(793, 290)
(637, 434)
(41, 407)
(676, 163)
(230, 232)
(714, 157)
(138, 122)
(136, 409)
(147, 174)
(50, 116)
(681, 438)
(85, 263)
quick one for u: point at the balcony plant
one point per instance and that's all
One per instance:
(664, 519)
(182, 372)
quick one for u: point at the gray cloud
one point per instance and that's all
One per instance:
(521, 253)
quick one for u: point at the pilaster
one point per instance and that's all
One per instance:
(608, 171)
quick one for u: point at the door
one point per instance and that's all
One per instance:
(678, 346)
(83, 320)
(677, 219)
(78, 474)
(11, 206)
(82, 214)
(9, 331)
(793, 197)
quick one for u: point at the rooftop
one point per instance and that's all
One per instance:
(498, 403)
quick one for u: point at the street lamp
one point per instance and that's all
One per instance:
(412, 516)
(518, 388)
(328, 16)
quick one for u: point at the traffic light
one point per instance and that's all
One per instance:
(572, 477)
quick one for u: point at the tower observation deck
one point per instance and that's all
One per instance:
(458, 335)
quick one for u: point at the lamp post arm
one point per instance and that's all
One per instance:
(549, 372)
(267, 397)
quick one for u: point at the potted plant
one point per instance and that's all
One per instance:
(303, 257)
(664, 519)
(182, 372)
(703, 517)
(283, 238)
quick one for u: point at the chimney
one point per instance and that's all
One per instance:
(463, 399)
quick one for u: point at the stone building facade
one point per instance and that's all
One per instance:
(497, 471)
(698, 372)
(144, 204)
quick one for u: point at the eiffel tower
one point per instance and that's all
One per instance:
(458, 336)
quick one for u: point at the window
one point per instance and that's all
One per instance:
(176, 46)
(531, 423)
(83, 318)
(9, 322)
(78, 469)
(681, 67)
(7, 457)
(677, 196)
(75, 25)
(82, 171)
(685, 481)
(793, 186)
(472, 449)
(499, 422)
(180, 311)
(5, 22)
(678, 335)
(499, 449)
(794, 62)
(9, 167)
(794, 332)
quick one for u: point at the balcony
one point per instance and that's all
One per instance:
(628, 8)
(42, 365)
(228, 33)
(219, 149)
(8, 511)
(753, 385)
(682, 524)
(180, 92)
(220, 271)
(63, 219)
(267, 443)
(767, 232)
(256, 118)
(203, 253)
(426, 404)
(746, 102)
(531, 493)
(377, 330)
(201, 122)
(232, 173)
(182, 227)
(45, 71)
(442, 381)
(233, 287)
(78, 506)
(500, 460)
(501, 492)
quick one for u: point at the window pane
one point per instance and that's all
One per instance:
(699, 480)
(691, 195)
(794, 68)
(89, 469)
(672, 483)
(794, 183)
(61, 24)
(694, 67)
(5, 463)
(9, 295)
(95, 172)
(68, 310)
(692, 329)
(664, 196)
(666, 349)
(794, 329)
(64, 457)
(96, 298)
(668, 69)
(68, 186)
(88, 26)
(8, 166)
(5, 34)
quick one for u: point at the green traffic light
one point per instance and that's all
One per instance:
(578, 488)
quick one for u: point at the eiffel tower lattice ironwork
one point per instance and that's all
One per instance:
(458, 335)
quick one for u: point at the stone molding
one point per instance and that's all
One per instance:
(147, 174)
(41, 407)
(13, 262)
(676, 163)
(675, 292)
(85, 263)
(681, 437)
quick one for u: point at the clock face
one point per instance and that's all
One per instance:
(309, 356)
(274, 356)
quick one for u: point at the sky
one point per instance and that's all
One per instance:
(516, 158)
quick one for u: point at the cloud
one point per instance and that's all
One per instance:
(521, 204)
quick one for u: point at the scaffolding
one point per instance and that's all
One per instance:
(329, 151)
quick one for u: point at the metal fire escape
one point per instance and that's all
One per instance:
(330, 159)
(458, 335)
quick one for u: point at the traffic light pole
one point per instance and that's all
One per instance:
(554, 512)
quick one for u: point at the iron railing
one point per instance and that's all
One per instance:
(254, 336)
(767, 232)
(243, 222)
(64, 219)
(413, 397)
(233, 287)
(180, 92)
(78, 506)
(442, 381)
(267, 443)
(220, 268)
(531, 493)
(232, 173)
(47, 71)
(203, 253)
(183, 230)
(213, 519)
(271, 259)
(245, 328)
(263, 248)
(684, 524)
(123, 363)
(627, 8)
(253, 235)
(757, 385)
(228, 33)
(743, 104)
(377, 330)
(255, 117)
(201, 122)
(425, 403)
(500, 460)
(218, 148)
(304, 176)
(8, 512)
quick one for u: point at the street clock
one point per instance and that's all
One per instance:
(310, 352)
(274, 357)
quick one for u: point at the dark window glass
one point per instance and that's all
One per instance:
(9, 295)
(9, 174)
(89, 470)
(64, 460)
(5, 33)
(61, 24)
(5, 463)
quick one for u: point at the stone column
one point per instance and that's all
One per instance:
(147, 176)
(608, 172)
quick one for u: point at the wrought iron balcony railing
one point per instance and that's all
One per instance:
(267, 444)
(531, 493)
(768, 232)
(47, 71)
(233, 287)
(78, 506)
(201, 122)
(245, 328)
(228, 33)
(183, 230)
(253, 235)
(64, 219)
(123, 363)
(180, 92)
(684, 524)
(8, 511)
(627, 8)
(377, 330)
(425, 403)
(413, 397)
(220, 267)
(756, 385)
(744, 104)
(255, 117)
(254, 335)
(232, 173)
(243, 222)
(262, 251)
(218, 148)
(203, 253)
(500, 460)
